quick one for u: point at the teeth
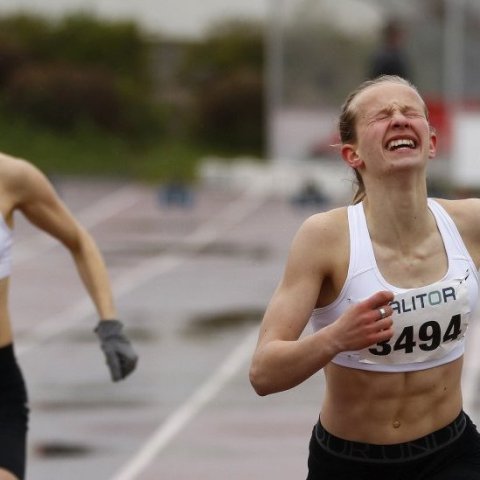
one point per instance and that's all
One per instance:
(401, 142)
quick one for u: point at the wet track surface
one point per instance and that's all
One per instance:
(191, 284)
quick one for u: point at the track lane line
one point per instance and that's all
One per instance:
(176, 421)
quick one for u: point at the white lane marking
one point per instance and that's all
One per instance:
(191, 407)
(231, 215)
(104, 208)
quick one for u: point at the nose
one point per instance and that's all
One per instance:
(399, 120)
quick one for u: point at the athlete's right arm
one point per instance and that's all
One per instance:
(284, 359)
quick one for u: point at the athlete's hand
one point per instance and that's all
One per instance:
(120, 356)
(362, 324)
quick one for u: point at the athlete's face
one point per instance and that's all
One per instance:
(392, 130)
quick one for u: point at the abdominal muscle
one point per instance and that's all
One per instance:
(386, 408)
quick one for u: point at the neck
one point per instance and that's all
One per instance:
(398, 215)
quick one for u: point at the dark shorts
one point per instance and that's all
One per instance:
(13, 414)
(451, 453)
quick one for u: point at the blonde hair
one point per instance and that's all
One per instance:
(348, 118)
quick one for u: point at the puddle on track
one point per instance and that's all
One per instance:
(205, 325)
(61, 449)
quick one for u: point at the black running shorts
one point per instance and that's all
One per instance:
(451, 453)
(13, 414)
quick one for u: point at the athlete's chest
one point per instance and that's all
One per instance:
(423, 265)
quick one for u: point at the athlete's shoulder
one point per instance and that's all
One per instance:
(323, 236)
(463, 211)
(327, 219)
(14, 169)
(21, 181)
(326, 225)
(321, 243)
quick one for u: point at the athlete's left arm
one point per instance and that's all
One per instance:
(36, 198)
(38, 201)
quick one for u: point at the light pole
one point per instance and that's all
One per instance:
(453, 73)
(274, 71)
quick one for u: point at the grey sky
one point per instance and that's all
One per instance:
(177, 17)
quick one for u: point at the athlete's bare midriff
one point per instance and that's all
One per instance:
(387, 408)
(5, 326)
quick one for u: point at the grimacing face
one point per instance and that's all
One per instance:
(392, 130)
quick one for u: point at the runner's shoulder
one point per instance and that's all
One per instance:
(326, 227)
(14, 168)
(463, 211)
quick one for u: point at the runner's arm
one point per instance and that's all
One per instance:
(284, 359)
(36, 198)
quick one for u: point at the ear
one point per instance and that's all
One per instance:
(432, 150)
(351, 156)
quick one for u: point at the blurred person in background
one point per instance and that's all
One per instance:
(24, 188)
(389, 58)
(388, 284)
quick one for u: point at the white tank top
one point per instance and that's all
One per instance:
(429, 322)
(5, 249)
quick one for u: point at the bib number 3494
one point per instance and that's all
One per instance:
(429, 337)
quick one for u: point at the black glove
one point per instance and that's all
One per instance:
(120, 356)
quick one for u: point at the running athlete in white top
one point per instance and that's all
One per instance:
(25, 189)
(389, 286)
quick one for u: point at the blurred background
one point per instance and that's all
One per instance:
(193, 138)
(152, 90)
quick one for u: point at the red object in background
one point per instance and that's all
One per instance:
(440, 121)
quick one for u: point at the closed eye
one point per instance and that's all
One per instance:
(379, 117)
(413, 114)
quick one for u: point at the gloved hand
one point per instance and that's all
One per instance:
(120, 356)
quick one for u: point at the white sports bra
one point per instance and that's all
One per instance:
(429, 322)
(5, 249)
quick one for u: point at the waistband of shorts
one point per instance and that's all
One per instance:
(399, 452)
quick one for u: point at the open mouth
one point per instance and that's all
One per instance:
(399, 143)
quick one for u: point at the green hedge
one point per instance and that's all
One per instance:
(77, 70)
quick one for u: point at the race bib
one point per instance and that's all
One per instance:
(428, 323)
